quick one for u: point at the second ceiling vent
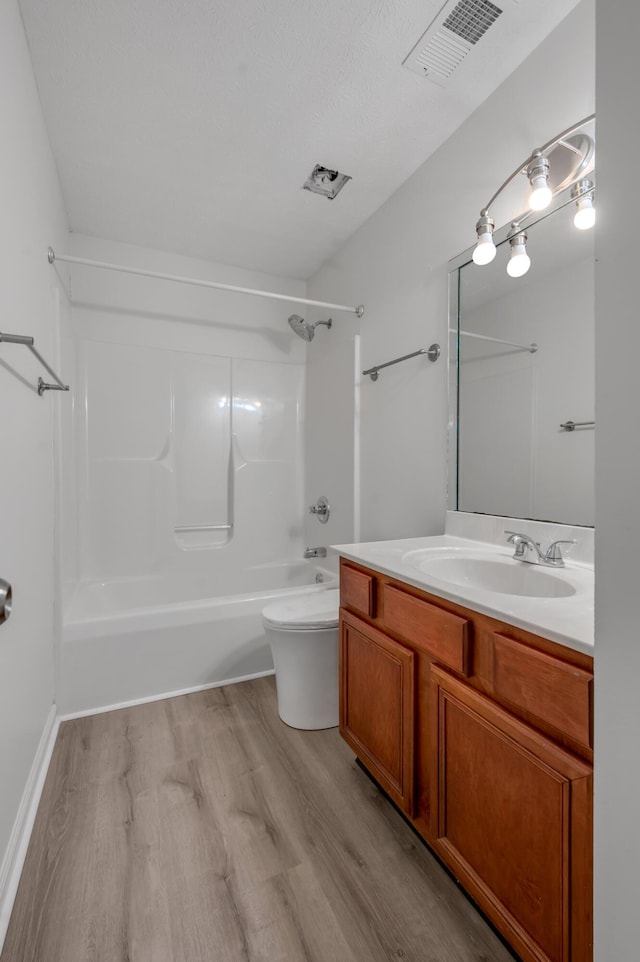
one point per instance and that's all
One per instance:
(450, 37)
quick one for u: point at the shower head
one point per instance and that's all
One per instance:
(303, 329)
(300, 327)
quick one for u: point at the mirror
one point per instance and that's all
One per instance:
(508, 454)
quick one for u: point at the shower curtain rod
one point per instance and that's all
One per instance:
(68, 259)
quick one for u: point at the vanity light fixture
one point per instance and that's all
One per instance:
(562, 162)
(519, 262)
(585, 215)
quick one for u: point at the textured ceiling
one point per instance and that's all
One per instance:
(190, 126)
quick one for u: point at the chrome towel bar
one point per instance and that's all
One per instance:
(432, 352)
(203, 527)
(30, 343)
(572, 425)
(531, 348)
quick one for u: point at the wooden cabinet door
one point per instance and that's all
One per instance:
(377, 704)
(511, 816)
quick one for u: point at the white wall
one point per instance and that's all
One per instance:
(617, 716)
(332, 429)
(396, 264)
(32, 218)
(188, 411)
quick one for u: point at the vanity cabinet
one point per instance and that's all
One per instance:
(481, 733)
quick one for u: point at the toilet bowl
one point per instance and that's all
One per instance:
(303, 634)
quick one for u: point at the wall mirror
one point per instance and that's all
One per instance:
(522, 373)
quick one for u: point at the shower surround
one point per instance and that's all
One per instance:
(181, 477)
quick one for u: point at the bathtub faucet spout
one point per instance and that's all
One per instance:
(315, 553)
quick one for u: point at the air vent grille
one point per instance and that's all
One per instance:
(441, 56)
(450, 38)
(470, 19)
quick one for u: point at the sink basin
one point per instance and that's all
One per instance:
(501, 575)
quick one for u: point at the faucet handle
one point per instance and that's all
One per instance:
(321, 509)
(519, 541)
(553, 555)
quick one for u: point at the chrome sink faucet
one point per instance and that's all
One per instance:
(526, 549)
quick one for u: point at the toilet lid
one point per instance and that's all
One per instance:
(316, 610)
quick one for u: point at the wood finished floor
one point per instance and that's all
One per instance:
(202, 829)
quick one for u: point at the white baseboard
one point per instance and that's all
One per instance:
(163, 695)
(13, 861)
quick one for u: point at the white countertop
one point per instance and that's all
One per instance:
(566, 620)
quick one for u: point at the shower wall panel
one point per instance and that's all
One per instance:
(188, 414)
(200, 442)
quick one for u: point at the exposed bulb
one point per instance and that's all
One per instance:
(485, 250)
(585, 216)
(538, 173)
(541, 194)
(519, 262)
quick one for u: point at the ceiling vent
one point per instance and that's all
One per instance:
(323, 180)
(450, 37)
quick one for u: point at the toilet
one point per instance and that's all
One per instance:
(303, 634)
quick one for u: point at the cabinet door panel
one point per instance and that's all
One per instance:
(377, 700)
(504, 810)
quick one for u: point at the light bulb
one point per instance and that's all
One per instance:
(538, 173)
(585, 215)
(519, 262)
(485, 249)
(540, 196)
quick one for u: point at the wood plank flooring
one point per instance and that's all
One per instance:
(203, 829)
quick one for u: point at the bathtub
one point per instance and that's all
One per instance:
(133, 640)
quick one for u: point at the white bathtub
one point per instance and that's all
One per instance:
(131, 640)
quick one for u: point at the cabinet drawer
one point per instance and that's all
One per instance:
(442, 634)
(357, 590)
(545, 687)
